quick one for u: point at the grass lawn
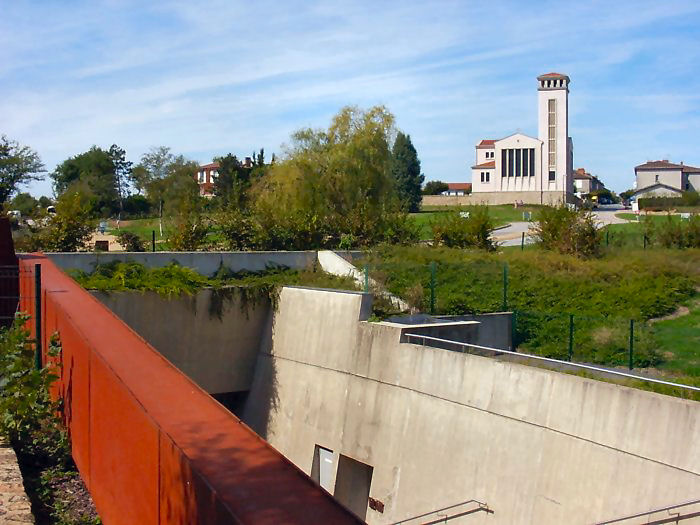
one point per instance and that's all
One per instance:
(679, 341)
(501, 215)
(544, 289)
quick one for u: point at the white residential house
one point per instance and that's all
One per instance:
(661, 178)
(584, 182)
(457, 189)
(528, 169)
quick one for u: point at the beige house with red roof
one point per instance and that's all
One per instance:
(519, 168)
(661, 178)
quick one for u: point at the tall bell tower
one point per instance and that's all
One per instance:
(553, 131)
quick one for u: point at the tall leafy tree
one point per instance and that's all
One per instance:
(18, 165)
(122, 173)
(405, 167)
(154, 165)
(94, 170)
(233, 182)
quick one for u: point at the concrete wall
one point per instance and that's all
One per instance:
(495, 329)
(498, 197)
(213, 336)
(206, 263)
(441, 427)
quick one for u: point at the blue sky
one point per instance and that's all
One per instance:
(210, 77)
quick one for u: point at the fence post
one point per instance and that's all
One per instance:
(571, 337)
(645, 241)
(37, 315)
(631, 363)
(607, 237)
(522, 242)
(514, 331)
(153, 240)
(366, 278)
(505, 287)
(432, 287)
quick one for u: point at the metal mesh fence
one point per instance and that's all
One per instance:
(559, 331)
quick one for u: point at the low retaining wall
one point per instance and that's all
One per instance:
(151, 446)
(212, 336)
(436, 428)
(500, 197)
(206, 263)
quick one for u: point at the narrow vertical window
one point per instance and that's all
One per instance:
(510, 162)
(552, 133)
(503, 163)
(517, 162)
(532, 162)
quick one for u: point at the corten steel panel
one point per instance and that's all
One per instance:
(184, 496)
(123, 451)
(75, 391)
(134, 391)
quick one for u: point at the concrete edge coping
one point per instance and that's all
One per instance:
(317, 289)
(427, 325)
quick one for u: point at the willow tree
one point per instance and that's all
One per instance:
(336, 184)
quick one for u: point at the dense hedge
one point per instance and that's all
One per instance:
(688, 198)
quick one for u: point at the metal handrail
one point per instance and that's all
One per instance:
(558, 361)
(483, 507)
(649, 512)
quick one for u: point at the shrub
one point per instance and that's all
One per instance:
(238, 230)
(131, 242)
(188, 233)
(454, 231)
(28, 415)
(568, 231)
(71, 228)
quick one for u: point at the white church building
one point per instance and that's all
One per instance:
(519, 168)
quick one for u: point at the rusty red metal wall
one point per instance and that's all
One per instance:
(151, 446)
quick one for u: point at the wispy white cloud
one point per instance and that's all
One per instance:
(209, 77)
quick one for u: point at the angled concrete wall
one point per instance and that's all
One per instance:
(440, 427)
(212, 336)
(206, 263)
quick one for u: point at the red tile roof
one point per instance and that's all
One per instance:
(489, 164)
(212, 165)
(552, 75)
(690, 169)
(456, 186)
(486, 143)
(666, 165)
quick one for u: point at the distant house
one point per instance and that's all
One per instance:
(207, 174)
(661, 178)
(458, 188)
(585, 183)
(205, 178)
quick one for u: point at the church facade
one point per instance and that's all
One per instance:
(519, 168)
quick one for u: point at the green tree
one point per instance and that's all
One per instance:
(435, 187)
(25, 204)
(405, 167)
(122, 173)
(333, 184)
(70, 229)
(96, 169)
(18, 165)
(232, 185)
(154, 165)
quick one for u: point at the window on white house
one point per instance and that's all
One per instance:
(201, 176)
(552, 176)
(488, 176)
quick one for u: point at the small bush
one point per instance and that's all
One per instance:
(238, 230)
(131, 242)
(568, 231)
(454, 231)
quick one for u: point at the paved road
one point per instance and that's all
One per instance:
(512, 234)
